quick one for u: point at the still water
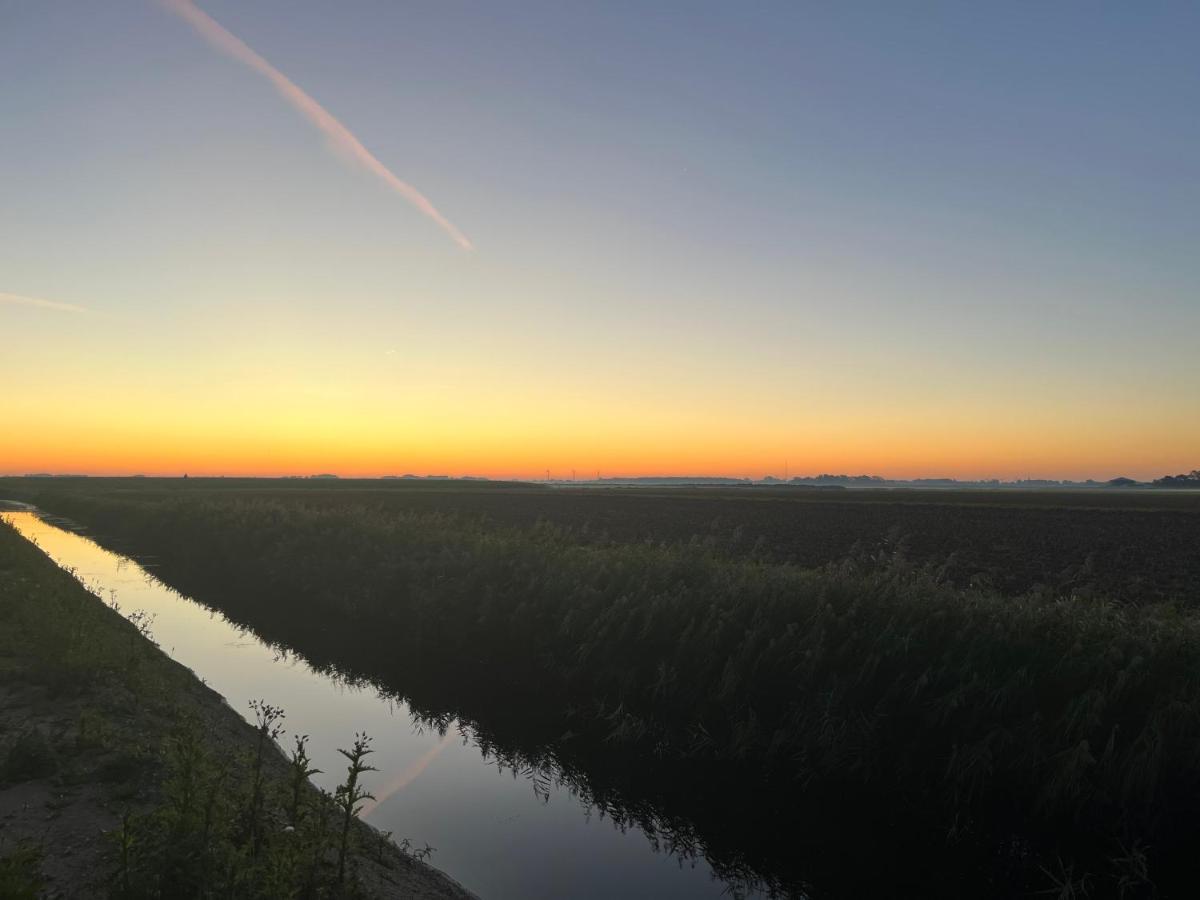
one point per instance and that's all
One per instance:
(492, 831)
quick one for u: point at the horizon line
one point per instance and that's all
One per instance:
(862, 478)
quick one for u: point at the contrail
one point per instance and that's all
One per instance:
(39, 302)
(408, 775)
(338, 134)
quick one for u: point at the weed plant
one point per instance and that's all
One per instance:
(228, 829)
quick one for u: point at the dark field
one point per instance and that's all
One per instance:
(1133, 546)
(1125, 545)
(986, 694)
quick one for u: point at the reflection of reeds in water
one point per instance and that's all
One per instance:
(605, 796)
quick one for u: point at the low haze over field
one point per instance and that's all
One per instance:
(278, 238)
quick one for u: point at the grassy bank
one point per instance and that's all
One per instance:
(122, 775)
(1067, 727)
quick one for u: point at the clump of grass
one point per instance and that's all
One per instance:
(268, 726)
(227, 830)
(141, 637)
(30, 757)
(21, 872)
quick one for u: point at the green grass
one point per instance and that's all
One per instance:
(20, 873)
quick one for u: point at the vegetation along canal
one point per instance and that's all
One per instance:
(501, 833)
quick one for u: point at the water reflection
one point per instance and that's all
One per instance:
(505, 822)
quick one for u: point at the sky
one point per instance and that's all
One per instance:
(371, 238)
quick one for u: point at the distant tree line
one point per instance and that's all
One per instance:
(1188, 480)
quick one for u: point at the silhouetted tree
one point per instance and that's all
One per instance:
(1189, 480)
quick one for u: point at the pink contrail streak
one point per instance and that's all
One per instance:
(408, 775)
(18, 299)
(339, 135)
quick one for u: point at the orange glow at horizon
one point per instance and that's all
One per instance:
(352, 447)
(332, 399)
